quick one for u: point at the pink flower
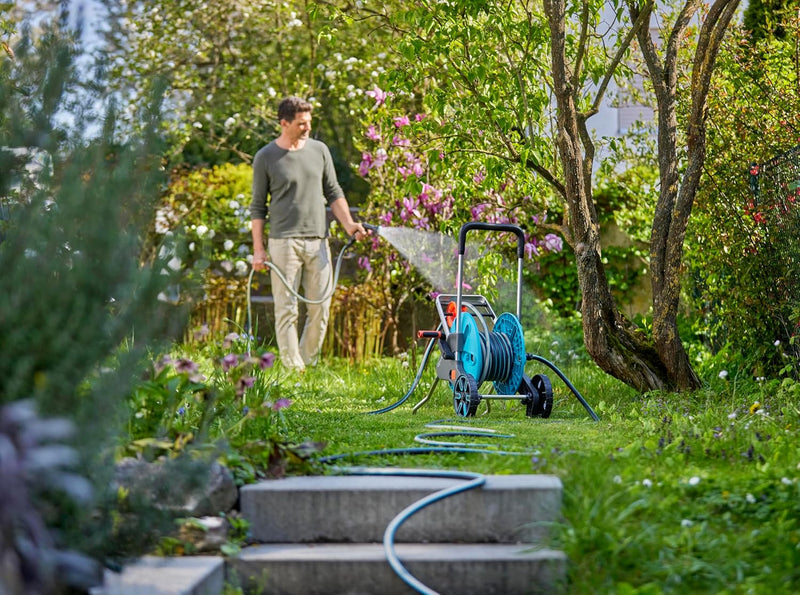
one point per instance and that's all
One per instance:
(372, 134)
(378, 95)
(399, 141)
(281, 404)
(420, 117)
(386, 219)
(478, 210)
(401, 121)
(553, 243)
(380, 157)
(479, 177)
(531, 249)
(363, 262)
(365, 165)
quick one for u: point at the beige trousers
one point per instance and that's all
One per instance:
(306, 262)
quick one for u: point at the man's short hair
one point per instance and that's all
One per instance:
(291, 106)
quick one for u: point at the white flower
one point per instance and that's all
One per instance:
(242, 268)
(228, 245)
(686, 523)
(174, 263)
(234, 204)
(750, 498)
(777, 342)
(230, 122)
(191, 247)
(201, 230)
(786, 481)
(693, 481)
(723, 374)
(617, 479)
(227, 265)
(647, 483)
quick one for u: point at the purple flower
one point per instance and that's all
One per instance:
(372, 133)
(401, 121)
(366, 164)
(478, 210)
(229, 339)
(245, 410)
(399, 141)
(244, 383)
(380, 157)
(363, 262)
(385, 219)
(420, 117)
(434, 294)
(186, 366)
(230, 361)
(553, 243)
(479, 177)
(531, 249)
(267, 360)
(181, 410)
(281, 404)
(378, 95)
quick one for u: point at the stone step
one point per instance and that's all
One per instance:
(357, 509)
(362, 569)
(151, 575)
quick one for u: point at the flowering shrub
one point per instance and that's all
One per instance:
(416, 184)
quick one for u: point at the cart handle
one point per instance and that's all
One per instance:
(462, 235)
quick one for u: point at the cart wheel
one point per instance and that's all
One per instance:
(545, 389)
(465, 396)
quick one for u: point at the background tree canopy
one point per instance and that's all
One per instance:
(508, 92)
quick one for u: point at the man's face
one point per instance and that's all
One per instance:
(299, 128)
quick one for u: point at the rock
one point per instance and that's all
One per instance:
(186, 487)
(207, 534)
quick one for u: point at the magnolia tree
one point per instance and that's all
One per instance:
(517, 84)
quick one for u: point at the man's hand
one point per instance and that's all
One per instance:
(259, 261)
(356, 229)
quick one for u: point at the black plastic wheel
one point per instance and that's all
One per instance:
(545, 389)
(531, 397)
(465, 396)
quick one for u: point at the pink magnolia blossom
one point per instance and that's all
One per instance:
(479, 177)
(553, 243)
(420, 117)
(401, 121)
(399, 141)
(378, 95)
(372, 133)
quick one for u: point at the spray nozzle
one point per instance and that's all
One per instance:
(373, 228)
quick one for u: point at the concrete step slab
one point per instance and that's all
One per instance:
(507, 509)
(151, 575)
(362, 569)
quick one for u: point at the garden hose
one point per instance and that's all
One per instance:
(329, 289)
(473, 480)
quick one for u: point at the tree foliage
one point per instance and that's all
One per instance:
(741, 249)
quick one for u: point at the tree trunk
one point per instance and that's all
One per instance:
(613, 342)
(677, 194)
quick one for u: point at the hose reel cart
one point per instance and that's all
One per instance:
(477, 346)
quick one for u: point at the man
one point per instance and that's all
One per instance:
(297, 174)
